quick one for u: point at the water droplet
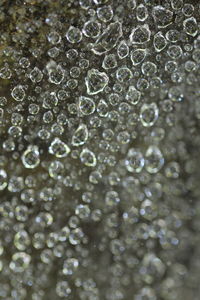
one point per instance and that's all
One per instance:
(137, 56)
(96, 81)
(70, 266)
(56, 169)
(123, 50)
(20, 262)
(159, 42)
(134, 161)
(36, 75)
(109, 39)
(31, 157)
(109, 62)
(74, 35)
(163, 17)
(190, 26)
(105, 13)
(59, 148)
(91, 29)
(140, 35)
(3, 179)
(133, 95)
(154, 159)
(21, 240)
(86, 105)
(80, 136)
(18, 93)
(149, 114)
(88, 158)
(141, 12)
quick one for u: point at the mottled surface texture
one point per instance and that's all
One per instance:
(99, 149)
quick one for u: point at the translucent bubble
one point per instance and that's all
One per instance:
(63, 289)
(122, 50)
(75, 72)
(36, 75)
(163, 17)
(3, 179)
(28, 196)
(82, 211)
(86, 106)
(142, 84)
(112, 198)
(154, 159)
(31, 157)
(159, 42)
(105, 13)
(84, 63)
(56, 75)
(74, 35)
(5, 73)
(123, 137)
(33, 109)
(102, 108)
(190, 66)
(38, 240)
(190, 26)
(148, 68)
(20, 262)
(46, 256)
(138, 56)
(124, 74)
(96, 81)
(18, 93)
(44, 219)
(44, 134)
(21, 240)
(141, 12)
(140, 35)
(56, 169)
(53, 52)
(176, 4)
(70, 266)
(59, 148)
(109, 62)
(24, 62)
(188, 9)
(108, 39)
(175, 52)
(21, 213)
(134, 161)
(176, 94)
(76, 236)
(92, 29)
(49, 100)
(54, 37)
(114, 99)
(80, 136)
(88, 158)
(72, 54)
(149, 114)
(170, 66)
(172, 170)
(173, 35)
(85, 4)
(196, 55)
(133, 95)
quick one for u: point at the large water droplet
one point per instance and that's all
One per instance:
(149, 114)
(96, 81)
(80, 136)
(154, 159)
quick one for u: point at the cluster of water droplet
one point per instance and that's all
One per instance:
(99, 129)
